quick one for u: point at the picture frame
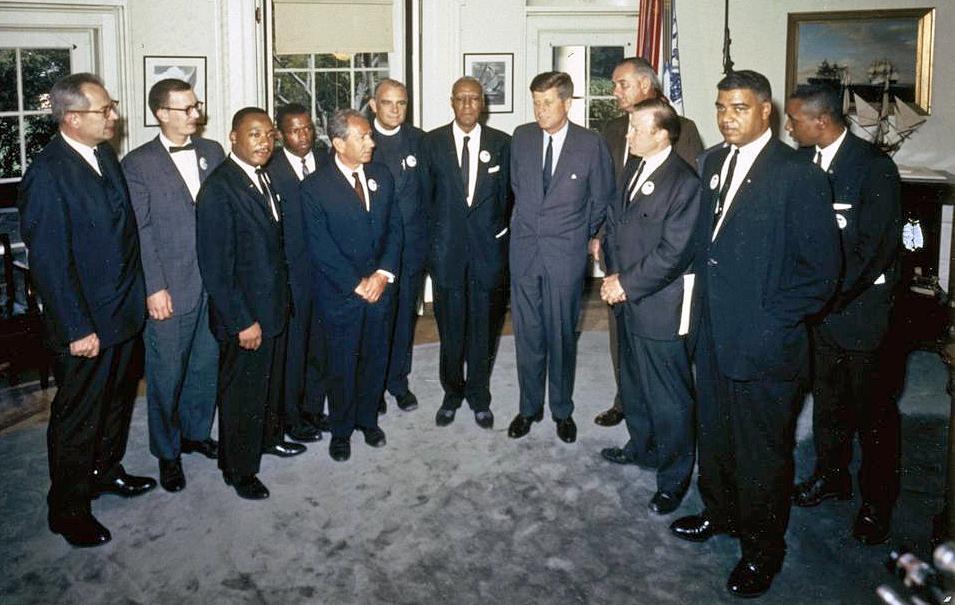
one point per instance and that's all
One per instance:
(157, 67)
(495, 71)
(867, 52)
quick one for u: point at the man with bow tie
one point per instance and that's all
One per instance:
(164, 177)
(648, 249)
(354, 236)
(242, 261)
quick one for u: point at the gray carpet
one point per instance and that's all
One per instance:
(444, 515)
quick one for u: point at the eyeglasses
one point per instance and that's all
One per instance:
(187, 110)
(105, 111)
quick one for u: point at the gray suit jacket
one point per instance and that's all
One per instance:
(166, 216)
(688, 146)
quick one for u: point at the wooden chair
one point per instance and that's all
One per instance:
(22, 344)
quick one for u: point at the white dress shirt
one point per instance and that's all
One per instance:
(559, 137)
(296, 163)
(650, 164)
(829, 151)
(187, 163)
(747, 155)
(88, 153)
(249, 170)
(474, 150)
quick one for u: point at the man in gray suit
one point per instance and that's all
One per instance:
(634, 81)
(164, 176)
(562, 178)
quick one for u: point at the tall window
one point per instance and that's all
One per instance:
(590, 67)
(327, 82)
(26, 76)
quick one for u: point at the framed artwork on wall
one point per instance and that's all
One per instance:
(495, 71)
(189, 69)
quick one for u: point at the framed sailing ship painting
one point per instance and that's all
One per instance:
(872, 55)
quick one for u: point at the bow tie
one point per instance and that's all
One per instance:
(186, 147)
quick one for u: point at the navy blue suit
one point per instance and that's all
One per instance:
(401, 153)
(181, 353)
(774, 262)
(468, 260)
(548, 257)
(80, 230)
(648, 243)
(242, 260)
(347, 243)
(304, 362)
(849, 394)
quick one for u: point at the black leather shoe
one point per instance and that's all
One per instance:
(80, 529)
(611, 417)
(122, 484)
(567, 430)
(208, 448)
(698, 528)
(340, 449)
(484, 419)
(304, 433)
(374, 436)
(407, 402)
(286, 449)
(248, 487)
(750, 578)
(171, 477)
(871, 526)
(821, 487)
(319, 421)
(618, 455)
(382, 406)
(664, 503)
(521, 425)
(445, 416)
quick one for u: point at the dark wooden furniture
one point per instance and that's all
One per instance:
(22, 333)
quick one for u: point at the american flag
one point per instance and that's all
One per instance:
(672, 82)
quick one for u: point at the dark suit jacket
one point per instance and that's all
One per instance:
(80, 230)
(401, 153)
(554, 229)
(241, 255)
(865, 194)
(649, 245)
(463, 236)
(286, 184)
(347, 243)
(166, 217)
(774, 262)
(688, 146)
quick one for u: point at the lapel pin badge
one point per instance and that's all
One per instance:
(203, 164)
(372, 185)
(714, 181)
(841, 221)
(484, 156)
(647, 188)
(411, 161)
(573, 177)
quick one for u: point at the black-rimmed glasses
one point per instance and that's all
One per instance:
(197, 107)
(105, 111)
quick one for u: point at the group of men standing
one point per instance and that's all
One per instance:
(274, 280)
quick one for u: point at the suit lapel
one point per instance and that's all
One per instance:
(658, 178)
(482, 168)
(450, 152)
(756, 172)
(168, 169)
(250, 192)
(569, 148)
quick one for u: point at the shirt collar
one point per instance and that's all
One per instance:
(348, 171)
(295, 160)
(829, 151)
(752, 149)
(559, 135)
(86, 152)
(459, 134)
(652, 162)
(382, 130)
(247, 168)
(167, 143)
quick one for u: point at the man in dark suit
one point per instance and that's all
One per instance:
(634, 81)
(648, 249)
(242, 261)
(562, 176)
(80, 229)
(468, 193)
(847, 398)
(164, 176)
(398, 146)
(767, 258)
(354, 233)
(303, 416)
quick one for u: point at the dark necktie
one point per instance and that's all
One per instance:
(548, 163)
(99, 162)
(818, 160)
(633, 184)
(466, 166)
(186, 147)
(628, 165)
(359, 191)
(724, 190)
(267, 192)
(305, 171)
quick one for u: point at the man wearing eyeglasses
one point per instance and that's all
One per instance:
(164, 176)
(80, 229)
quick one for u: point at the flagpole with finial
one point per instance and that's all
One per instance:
(727, 61)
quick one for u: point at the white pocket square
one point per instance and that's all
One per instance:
(501, 234)
(493, 169)
(841, 206)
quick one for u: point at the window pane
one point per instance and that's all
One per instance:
(601, 112)
(332, 91)
(290, 61)
(329, 60)
(292, 87)
(8, 79)
(9, 148)
(602, 61)
(377, 60)
(37, 130)
(365, 86)
(41, 69)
